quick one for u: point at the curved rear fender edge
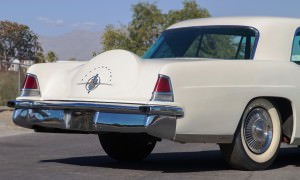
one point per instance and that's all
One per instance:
(294, 139)
(203, 138)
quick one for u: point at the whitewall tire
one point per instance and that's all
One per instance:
(257, 139)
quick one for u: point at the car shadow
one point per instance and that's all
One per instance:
(176, 162)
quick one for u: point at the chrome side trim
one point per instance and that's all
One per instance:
(101, 107)
(195, 138)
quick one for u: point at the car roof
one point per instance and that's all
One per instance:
(275, 33)
(255, 22)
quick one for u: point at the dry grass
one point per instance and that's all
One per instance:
(9, 91)
(8, 86)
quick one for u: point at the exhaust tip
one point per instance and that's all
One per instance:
(145, 109)
(11, 104)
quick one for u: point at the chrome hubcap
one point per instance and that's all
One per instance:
(258, 130)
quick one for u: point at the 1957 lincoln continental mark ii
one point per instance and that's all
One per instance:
(232, 81)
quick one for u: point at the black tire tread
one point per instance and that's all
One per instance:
(127, 147)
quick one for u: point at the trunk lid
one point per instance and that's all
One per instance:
(113, 76)
(116, 76)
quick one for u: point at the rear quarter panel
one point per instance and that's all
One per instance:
(214, 93)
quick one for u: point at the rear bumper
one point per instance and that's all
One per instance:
(88, 117)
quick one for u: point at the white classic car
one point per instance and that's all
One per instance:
(231, 81)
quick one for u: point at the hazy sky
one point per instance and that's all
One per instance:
(55, 17)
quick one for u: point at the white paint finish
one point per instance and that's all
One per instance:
(132, 80)
(213, 93)
(54, 78)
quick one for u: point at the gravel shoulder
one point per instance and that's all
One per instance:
(8, 128)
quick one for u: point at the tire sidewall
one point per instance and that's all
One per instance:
(270, 154)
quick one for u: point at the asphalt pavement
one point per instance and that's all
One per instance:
(28, 155)
(7, 127)
(70, 156)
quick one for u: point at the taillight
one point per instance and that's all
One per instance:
(163, 89)
(30, 82)
(30, 87)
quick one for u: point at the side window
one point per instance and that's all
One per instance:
(296, 48)
(221, 46)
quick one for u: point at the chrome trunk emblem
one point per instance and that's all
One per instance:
(93, 83)
(103, 77)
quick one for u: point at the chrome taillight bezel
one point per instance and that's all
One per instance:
(163, 96)
(28, 91)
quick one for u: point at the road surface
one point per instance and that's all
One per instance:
(68, 156)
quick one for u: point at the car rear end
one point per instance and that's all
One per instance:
(114, 92)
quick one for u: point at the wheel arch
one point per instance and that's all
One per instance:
(286, 112)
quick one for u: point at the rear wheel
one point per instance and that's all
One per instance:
(258, 138)
(127, 147)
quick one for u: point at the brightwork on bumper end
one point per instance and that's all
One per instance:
(86, 117)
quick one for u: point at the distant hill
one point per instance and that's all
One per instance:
(76, 44)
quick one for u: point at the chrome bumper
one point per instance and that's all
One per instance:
(87, 117)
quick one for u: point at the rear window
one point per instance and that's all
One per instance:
(205, 42)
(296, 47)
